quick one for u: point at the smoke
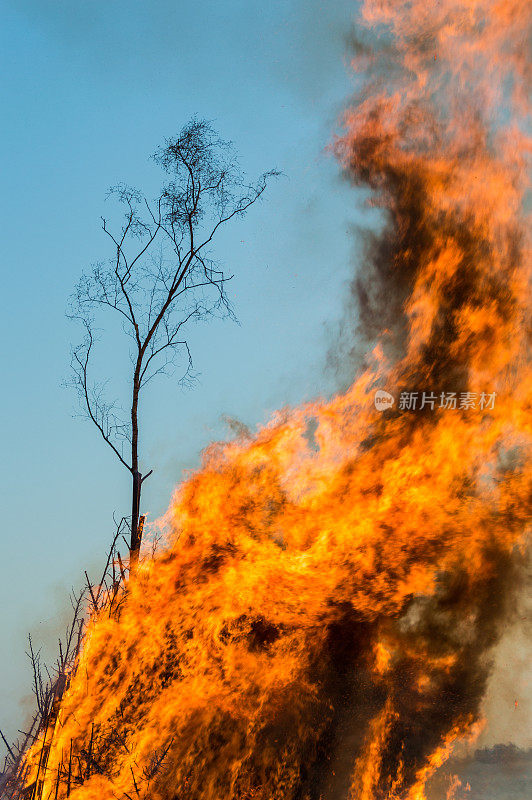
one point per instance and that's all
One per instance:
(503, 771)
(316, 62)
(508, 699)
(427, 134)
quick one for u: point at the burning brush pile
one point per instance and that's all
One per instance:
(321, 622)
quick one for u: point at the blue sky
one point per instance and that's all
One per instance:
(89, 91)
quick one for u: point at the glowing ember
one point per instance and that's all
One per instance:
(321, 622)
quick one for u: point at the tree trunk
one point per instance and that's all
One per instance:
(135, 513)
(134, 547)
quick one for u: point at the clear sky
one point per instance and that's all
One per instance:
(89, 90)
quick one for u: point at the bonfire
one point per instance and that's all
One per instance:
(320, 621)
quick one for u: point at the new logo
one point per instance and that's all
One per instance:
(383, 400)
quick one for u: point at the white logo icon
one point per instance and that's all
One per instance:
(383, 400)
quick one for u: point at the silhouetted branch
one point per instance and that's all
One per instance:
(160, 279)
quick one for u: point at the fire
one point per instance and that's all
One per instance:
(321, 621)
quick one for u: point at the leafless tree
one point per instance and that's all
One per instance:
(160, 277)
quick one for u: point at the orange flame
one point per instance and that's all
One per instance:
(321, 622)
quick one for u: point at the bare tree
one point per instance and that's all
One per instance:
(160, 277)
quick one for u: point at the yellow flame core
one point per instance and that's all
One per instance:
(320, 623)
